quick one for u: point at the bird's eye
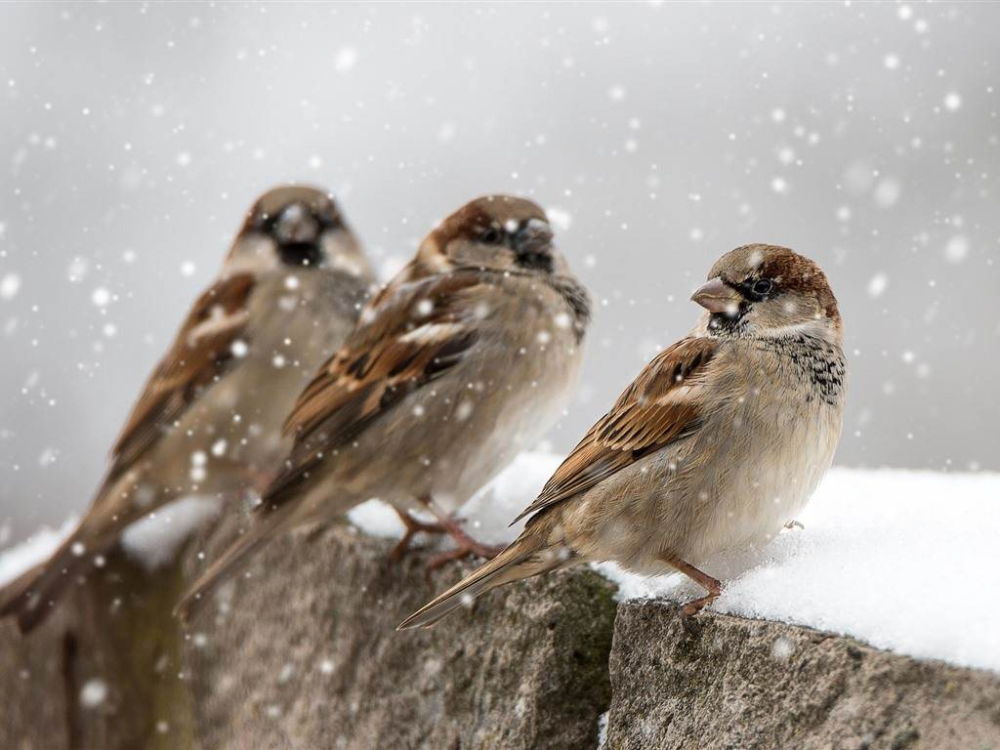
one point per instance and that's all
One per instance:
(491, 236)
(762, 287)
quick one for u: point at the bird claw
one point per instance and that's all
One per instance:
(413, 527)
(465, 543)
(466, 547)
(697, 605)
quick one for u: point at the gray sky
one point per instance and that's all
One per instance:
(865, 136)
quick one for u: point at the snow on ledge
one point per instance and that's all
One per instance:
(154, 540)
(905, 560)
(20, 558)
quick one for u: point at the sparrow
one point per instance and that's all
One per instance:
(468, 355)
(209, 419)
(716, 445)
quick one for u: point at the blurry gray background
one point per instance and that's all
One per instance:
(134, 136)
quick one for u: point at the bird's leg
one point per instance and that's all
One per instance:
(413, 527)
(712, 585)
(465, 543)
(794, 525)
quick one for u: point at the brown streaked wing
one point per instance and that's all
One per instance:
(410, 339)
(200, 354)
(660, 406)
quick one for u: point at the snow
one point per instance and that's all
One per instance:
(9, 286)
(378, 519)
(93, 693)
(155, 539)
(903, 560)
(602, 730)
(21, 557)
(491, 510)
(488, 514)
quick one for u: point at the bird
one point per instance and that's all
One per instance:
(470, 353)
(208, 421)
(715, 446)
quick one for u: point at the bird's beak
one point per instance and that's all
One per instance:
(296, 225)
(534, 237)
(533, 245)
(717, 297)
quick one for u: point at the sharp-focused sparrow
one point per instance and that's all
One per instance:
(467, 356)
(716, 445)
(209, 421)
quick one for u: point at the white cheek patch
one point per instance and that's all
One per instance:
(434, 258)
(348, 264)
(815, 326)
(342, 256)
(253, 254)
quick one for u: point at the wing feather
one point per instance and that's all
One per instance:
(200, 355)
(406, 339)
(661, 406)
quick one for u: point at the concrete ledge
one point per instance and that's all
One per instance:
(726, 682)
(304, 655)
(311, 658)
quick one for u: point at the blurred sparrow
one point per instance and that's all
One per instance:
(716, 445)
(467, 356)
(209, 418)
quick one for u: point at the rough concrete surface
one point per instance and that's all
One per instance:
(726, 682)
(303, 655)
(284, 664)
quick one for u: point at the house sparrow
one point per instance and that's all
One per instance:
(468, 355)
(716, 445)
(209, 418)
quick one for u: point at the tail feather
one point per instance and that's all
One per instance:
(526, 557)
(233, 560)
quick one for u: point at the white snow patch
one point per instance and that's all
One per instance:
(22, 557)
(602, 730)
(377, 518)
(488, 513)
(905, 560)
(155, 539)
(900, 559)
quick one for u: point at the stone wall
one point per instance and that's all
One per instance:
(303, 654)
